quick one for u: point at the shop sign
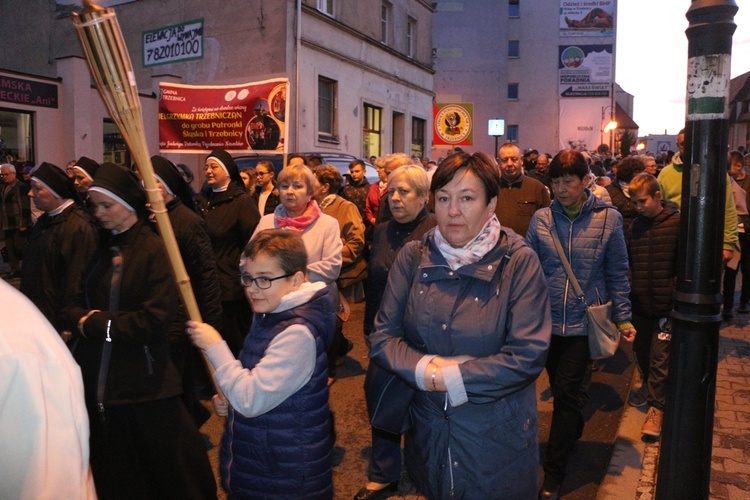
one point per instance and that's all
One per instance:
(28, 92)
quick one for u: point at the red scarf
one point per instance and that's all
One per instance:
(299, 223)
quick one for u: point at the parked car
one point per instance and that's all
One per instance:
(340, 161)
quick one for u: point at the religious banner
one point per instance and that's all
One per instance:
(587, 18)
(453, 124)
(585, 70)
(237, 118)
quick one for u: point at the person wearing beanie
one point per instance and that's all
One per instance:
(60, 245)
(15, 217)
(195, 246)
(143, 442)
(231, 217)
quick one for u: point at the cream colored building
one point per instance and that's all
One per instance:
(360, 72)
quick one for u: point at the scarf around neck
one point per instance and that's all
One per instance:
(474, 250)
(299, 223)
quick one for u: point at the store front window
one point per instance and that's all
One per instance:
(16, 136)
(115, 150)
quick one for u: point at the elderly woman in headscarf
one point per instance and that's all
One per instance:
(231, 217)
(143, 442)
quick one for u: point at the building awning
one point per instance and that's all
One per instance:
(624, 121)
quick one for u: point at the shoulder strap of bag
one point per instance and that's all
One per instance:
(566, 263)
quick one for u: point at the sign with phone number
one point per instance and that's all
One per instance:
(179, 42)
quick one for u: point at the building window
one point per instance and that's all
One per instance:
(514, 9)
(327, 109)
(326, 7)
(115, 149)
(411, 37)
(512, 133)
(385, 18)
(417, 136)
(513, 91)
(371, 132)
(16, 136)
(514, 48)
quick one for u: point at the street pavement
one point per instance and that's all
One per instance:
(607, 395)
(612, 461)
(633, 468)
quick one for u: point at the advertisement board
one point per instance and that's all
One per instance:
(180, 42)
(587, 18)
(585, 70)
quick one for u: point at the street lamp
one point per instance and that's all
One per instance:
(610, 126)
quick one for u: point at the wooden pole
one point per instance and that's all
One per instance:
(109, 62)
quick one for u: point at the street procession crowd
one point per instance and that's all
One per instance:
(469, 268)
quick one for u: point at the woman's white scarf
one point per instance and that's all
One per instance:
(474, 250)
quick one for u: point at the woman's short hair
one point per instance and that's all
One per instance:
(415, 177)
(629, 167)
(644, 182)
(285, 246)
(480, 164)
(568, 162)
(328, 174)
(298, 172)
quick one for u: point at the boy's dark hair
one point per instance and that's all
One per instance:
(568, 162)
(283, 245)
(644, 182)
(354, 163)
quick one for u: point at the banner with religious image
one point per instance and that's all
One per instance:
(587, 18)
(453, 124)
(238, 118)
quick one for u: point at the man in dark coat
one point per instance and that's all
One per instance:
(16, 217)
(60, 245)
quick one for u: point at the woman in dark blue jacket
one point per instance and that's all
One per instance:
(590, 232)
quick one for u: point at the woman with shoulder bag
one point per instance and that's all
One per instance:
(590, 233)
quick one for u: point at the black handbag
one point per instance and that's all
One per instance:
(388, 397)
(388, 400)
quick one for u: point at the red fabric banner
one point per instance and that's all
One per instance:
(237, 118)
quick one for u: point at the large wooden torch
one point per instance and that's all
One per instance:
(108, 59)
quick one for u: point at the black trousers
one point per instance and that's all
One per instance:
(567, 363)
(651, 348)
(730, 275)
(149, 450)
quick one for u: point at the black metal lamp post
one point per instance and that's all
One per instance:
(685, 458)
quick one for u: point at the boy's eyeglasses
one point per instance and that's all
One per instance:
(262, 283)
